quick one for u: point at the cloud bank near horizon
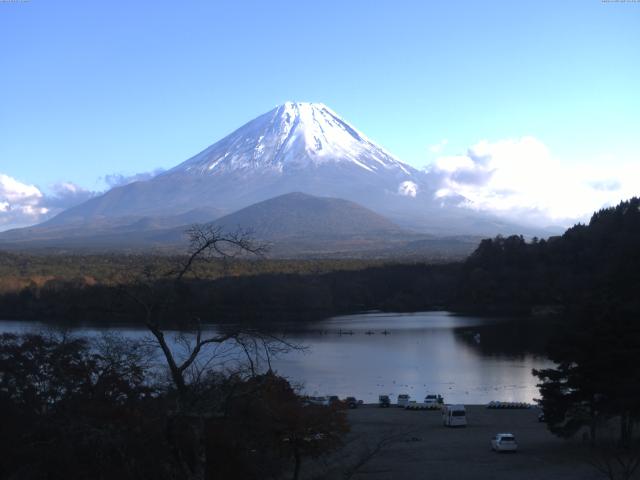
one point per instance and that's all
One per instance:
(516, 179)
(118, 179)
(23, 204)
(519, 179)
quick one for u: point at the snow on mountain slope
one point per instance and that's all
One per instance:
(296, 147)
(293, 136)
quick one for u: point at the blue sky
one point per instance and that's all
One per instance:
(91, 89)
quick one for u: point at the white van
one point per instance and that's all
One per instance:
(403, 400)
(454, 416)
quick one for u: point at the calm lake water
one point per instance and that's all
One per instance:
(464, 358)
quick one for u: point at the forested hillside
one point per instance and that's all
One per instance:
(258, 298)
(601, 259)
(595, 262)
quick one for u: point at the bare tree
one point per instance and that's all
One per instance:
(194, 350)
(208, 241)
(153, 290)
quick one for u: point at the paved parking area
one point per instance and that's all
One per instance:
(417, 446)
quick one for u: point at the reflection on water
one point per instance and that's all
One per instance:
(419, 353)
(466, 359)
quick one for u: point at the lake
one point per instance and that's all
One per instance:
(466, 359)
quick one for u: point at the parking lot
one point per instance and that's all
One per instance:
(415, 445)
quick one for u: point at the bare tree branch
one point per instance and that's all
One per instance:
(209, 241)
(616, 462)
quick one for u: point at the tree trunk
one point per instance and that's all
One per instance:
(186, 435)
(593, 426)
(625, 429)
(296, 466)
(176, 373)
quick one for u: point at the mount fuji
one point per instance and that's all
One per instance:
(296, 147)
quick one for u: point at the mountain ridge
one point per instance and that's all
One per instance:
(296, 147)
(294, 225)
(297, 214)
(279, 138)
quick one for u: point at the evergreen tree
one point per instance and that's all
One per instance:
(597, 377)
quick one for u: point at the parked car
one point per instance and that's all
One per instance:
(541, 417)
(352, 402)
(383, 401)
(504, 442)
(333, 399)
(431, 401)
(403, 400)
(323, 401)
(413, 405)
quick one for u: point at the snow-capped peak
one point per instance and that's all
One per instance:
(291, 136)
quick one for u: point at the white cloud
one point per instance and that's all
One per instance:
(18, 202)
(22, 204)
(438, 147)
(521, 179)
(408, 189)
(65, 195)
(118, 179)
(11, 190)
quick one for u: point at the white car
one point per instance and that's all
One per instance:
(431, 401)
(403, 400)
(504, 442)
(323, 401)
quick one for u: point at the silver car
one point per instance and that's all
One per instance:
(504, 442)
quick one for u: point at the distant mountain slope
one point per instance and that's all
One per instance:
(101, 227)
(301, 215)
(296, 147)
(302, 147)
(294, 225)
